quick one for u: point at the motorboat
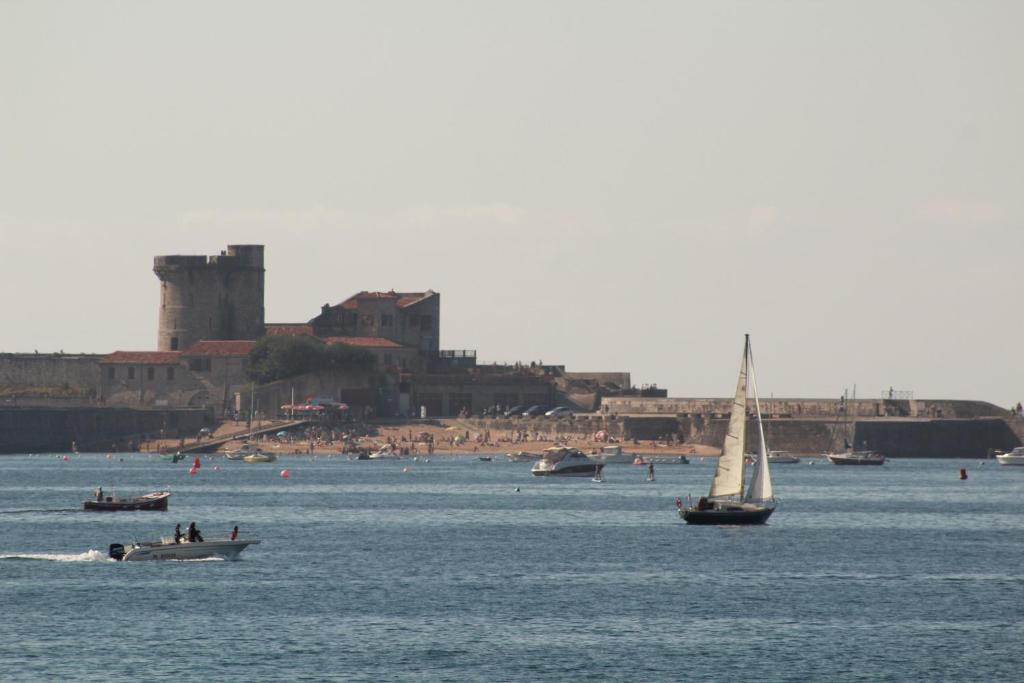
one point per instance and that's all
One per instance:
(386, 453)
(563, 461)
(259, 458)
(782, 458)
(246, 449)
(167, 549)
(1014, 457)
(157, 500)
(523, 456)
(856, 458)
(728, 501)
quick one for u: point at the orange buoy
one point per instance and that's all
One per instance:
(963, 474)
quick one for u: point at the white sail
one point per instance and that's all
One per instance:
(761, 482)
(728, 479)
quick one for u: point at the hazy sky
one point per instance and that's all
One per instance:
(605, 185)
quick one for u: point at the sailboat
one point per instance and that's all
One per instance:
(727, 502)
(850, 456)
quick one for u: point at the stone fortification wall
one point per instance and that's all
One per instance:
(42, 430)
(216, 297)
(48, 376)
(803, 407)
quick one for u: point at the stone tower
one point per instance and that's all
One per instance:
(210, 297)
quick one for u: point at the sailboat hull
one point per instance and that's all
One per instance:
(756, 515)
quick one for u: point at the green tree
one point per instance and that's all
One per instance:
(274, 358)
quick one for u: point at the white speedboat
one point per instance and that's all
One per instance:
(167, 549)
(1014, 457)
(246, 449)
(259, 457)
(386, 453)
(856, 458)
(563, 461)
(782, 458)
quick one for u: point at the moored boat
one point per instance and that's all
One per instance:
(1014, 457)
(782, 458)
(562, 461)
(157, 500)
(856, 458)
(167, 549)
(247, 449)
(728, 502)
(259, 457)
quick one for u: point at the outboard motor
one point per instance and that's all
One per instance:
(116, 551)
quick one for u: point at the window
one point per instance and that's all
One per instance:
(387, 320)
(170, 373)
(174, 343)
(110, 372)
(131, 373)
(150, 373)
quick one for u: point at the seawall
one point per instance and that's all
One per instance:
(47, 430)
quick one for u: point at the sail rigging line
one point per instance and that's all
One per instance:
(761, 481)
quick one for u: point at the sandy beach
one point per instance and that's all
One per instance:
(447, 437)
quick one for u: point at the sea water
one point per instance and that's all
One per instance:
(461, 570)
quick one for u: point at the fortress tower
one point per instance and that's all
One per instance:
(210, 297)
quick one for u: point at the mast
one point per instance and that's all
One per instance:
(728, 479)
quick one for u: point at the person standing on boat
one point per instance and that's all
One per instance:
(650, 471)
(193, 534)
(177, 533)
(99, 494)
(234, 533)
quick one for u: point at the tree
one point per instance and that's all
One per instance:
(274, 358)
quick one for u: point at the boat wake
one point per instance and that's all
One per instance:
(88, 556)
(28, 512)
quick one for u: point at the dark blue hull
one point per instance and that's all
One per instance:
(727, 516)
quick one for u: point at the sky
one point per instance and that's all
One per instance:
(610, 186)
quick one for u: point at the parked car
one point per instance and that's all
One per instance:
(534, 411)
(515, 411)
(560, 411)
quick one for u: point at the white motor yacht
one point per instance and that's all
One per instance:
(167, 549)
(566, 462)
(1014, 457)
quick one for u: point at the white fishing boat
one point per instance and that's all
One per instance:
(1014, 457)
(167, 549)
(562, 461)
(728, 502)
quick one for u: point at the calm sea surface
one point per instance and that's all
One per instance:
(443, 571)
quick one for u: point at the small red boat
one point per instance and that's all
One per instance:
(157, 500)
